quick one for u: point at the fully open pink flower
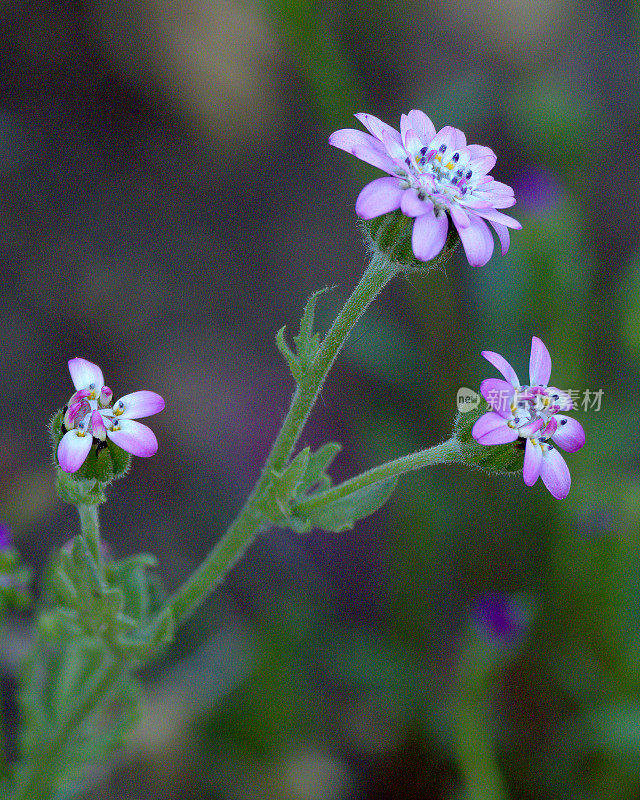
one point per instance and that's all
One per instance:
(92, 415)
(531, 413)
(433, 176)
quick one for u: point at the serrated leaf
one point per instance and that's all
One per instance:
(344, 513)
(319, 462)
(290, 358)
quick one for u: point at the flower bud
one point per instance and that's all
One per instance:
(499, 459)
(390, 236)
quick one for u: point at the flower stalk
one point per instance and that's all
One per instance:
(446, 453)
(90, 527)
(243, 531)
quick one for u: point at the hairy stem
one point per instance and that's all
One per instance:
(247, 525)
(90, 527)
(446, 453)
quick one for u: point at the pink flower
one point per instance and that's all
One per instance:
(92, 415)
(432, 175)
(531, 413)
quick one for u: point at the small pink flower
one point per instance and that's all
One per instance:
(92, 414)
(531, 413)
(433, 176)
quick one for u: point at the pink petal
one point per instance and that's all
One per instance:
(499, 394)
(496, 216)
(139, 404)
(496, 188)
(73, 450)
(395, 149)
(539, 363)
(477, 241)
(429, 235)
(379, 197)
(412, 206)
(134, 437)
(449, 136)
(569, 434)
(532, 462)
(84, 373)
(555, 474)
(484, 158)
(459, 216)
(364, 147)
(97, 426)
(532, 427)
(377, 127)
(412, 142)
(503, 366)
(422, 125)
(503, 236)
(491, 429)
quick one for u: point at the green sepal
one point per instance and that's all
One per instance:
(105, 463)
(59, 623)
(344, 513)
(78, 491)
(498, 459)
(390, 235)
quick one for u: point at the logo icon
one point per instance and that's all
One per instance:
(467, 400)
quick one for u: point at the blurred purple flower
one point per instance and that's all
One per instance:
(531, 413)
(499, 619)
(6, 539)
(92, 414)
(433, 176)
(539, 190)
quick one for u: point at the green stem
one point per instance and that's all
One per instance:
(90, 527)
(446, 453)
(247, 525)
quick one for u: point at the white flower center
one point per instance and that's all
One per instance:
(443, 171)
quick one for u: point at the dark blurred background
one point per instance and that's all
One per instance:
(168, 201)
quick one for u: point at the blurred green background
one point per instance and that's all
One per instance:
(168, 201)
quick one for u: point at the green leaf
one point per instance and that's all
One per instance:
(344, 513)
(290, 358)
(307, 342)
(319, 462)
